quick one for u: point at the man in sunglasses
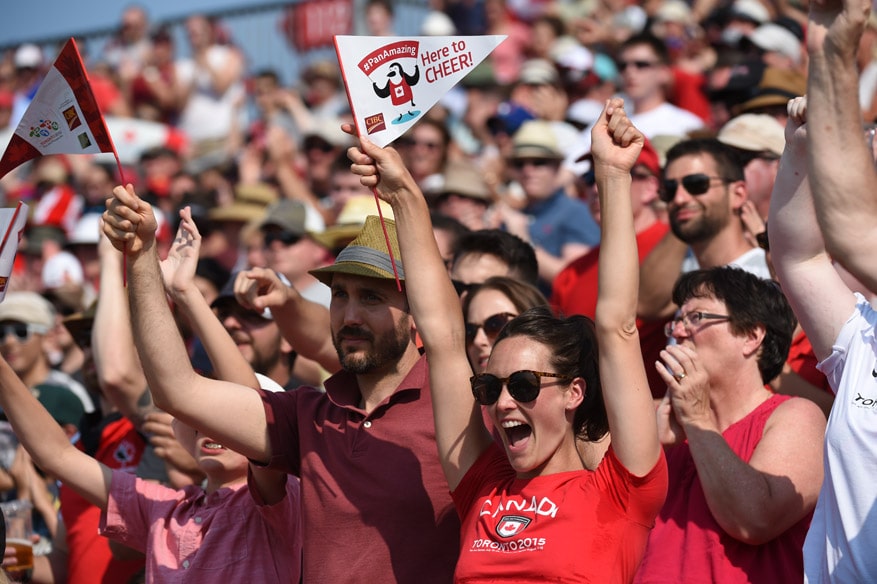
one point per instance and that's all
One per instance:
(704, 188)
(290, 251)
(558, 227)
(644, 66)
(25, 320)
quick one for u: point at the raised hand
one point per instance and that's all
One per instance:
(178, 269)
(796, 130)
(380, 168)
(260, 288)
(129, 222)
(836, 26)
(615, 142)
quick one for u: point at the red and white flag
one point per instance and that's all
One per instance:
(11, 223)
(393, 81)
(63, 117)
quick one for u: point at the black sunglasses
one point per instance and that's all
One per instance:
(519, 163)
(284, 237)
(491, 325)
(623, 65)
(695, 184)
(461, 287)
(21, 331)
(523, 385)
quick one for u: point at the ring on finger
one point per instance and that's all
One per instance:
(679, 376)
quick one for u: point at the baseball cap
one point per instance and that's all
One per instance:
(775, 38)
(61, 403)
(288, 214)
(367, 255)
(29, 308)
(754, 132)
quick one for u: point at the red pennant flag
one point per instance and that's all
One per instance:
(63, 117)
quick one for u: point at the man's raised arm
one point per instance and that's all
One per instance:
(842, 172)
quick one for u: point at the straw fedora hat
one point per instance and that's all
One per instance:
(367, 254)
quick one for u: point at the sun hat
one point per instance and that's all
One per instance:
(367, 254)
(350, 221)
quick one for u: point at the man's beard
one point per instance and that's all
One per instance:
(387, 348)
(698, 230)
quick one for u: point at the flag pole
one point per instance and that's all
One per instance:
(374, 189)
(9, 229)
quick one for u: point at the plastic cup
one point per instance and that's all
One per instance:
(19, 529)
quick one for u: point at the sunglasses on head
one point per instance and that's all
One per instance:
(21, 331)
(695, 184)
(523, 385)
(284, 237)
(491, 326)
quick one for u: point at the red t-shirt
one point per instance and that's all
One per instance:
(89, 557)
(575, 292)
(577, 526)
(687, 543)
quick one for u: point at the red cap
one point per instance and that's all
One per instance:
(649, 158)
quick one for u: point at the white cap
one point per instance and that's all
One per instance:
(28, 56)
(751, 10)
(775, 38)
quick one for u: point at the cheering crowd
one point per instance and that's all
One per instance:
(613, 323)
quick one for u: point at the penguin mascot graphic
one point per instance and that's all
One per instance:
(398, 87)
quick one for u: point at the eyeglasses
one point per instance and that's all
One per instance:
(284, 237)
(523, 385)
(21, 331)
(519, 163)
(491, 326)
(691, 319)
(695, 184)
(623, 65)
(230, 307)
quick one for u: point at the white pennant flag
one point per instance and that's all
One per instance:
(393, 81)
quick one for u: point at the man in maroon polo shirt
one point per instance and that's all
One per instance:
(375, 502)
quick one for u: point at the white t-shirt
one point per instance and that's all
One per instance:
(666, 120)
(841, 545)
(753, 261)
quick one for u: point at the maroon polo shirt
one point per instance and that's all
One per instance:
(375, 502)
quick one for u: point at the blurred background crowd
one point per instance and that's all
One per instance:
(250, 139)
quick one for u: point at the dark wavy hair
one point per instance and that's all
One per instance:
(751, 301)
(522, 294)
(573, 345)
